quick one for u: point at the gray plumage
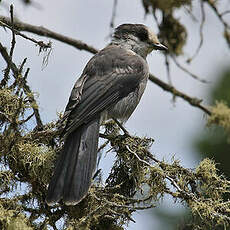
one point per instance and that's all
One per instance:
(110, 86)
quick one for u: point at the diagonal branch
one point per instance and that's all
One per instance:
(187, 71)
(43, 46)
(219, 15)
(8, 60)
(26, 88)
(191, 100)
(42, 31)
(83, 46)
(213, 6)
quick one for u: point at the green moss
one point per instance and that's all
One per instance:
(7, 181)
(220, 116)
(32, 160)
(13, 219)
(206, 169)
(167, 5)
(173, 34)
(10, 104)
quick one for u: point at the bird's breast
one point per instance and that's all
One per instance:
(123, 109)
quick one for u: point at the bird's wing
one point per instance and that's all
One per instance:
(108, 77)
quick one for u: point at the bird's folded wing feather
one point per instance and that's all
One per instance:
(108, 77)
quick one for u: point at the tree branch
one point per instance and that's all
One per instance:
(11, 26)
(191, 100)
(200, 31)
(83, 46)
(39, 30)
(26, 88)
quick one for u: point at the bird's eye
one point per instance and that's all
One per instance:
(143, 37)
(142, 34)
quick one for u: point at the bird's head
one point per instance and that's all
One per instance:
(137, 37)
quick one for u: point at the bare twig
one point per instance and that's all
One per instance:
(22, 65)
(168, 69)
(189, 11)
(39, 30)
(103, 146)
(5, 77)
(212, 4)
(26, 88)
(41, 44)
(8, 60)
(219, 15)
(225, 12)
(201, 32)
(121, 127)
(187, 71)
(113, 13)
(13, 42)
(27, 119)
(113, 204)
(156, 19)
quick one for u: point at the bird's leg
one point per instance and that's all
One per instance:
(126, 133)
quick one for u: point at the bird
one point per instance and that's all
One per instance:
(110, 87)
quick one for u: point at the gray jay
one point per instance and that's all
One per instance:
(110, 86)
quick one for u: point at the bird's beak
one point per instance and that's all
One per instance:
(159, 46)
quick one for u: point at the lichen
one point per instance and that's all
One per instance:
(220, 115)
(11, 219)
(34, 161)
(173, 34)
(166, 5)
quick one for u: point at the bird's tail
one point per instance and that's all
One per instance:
(75, 166)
